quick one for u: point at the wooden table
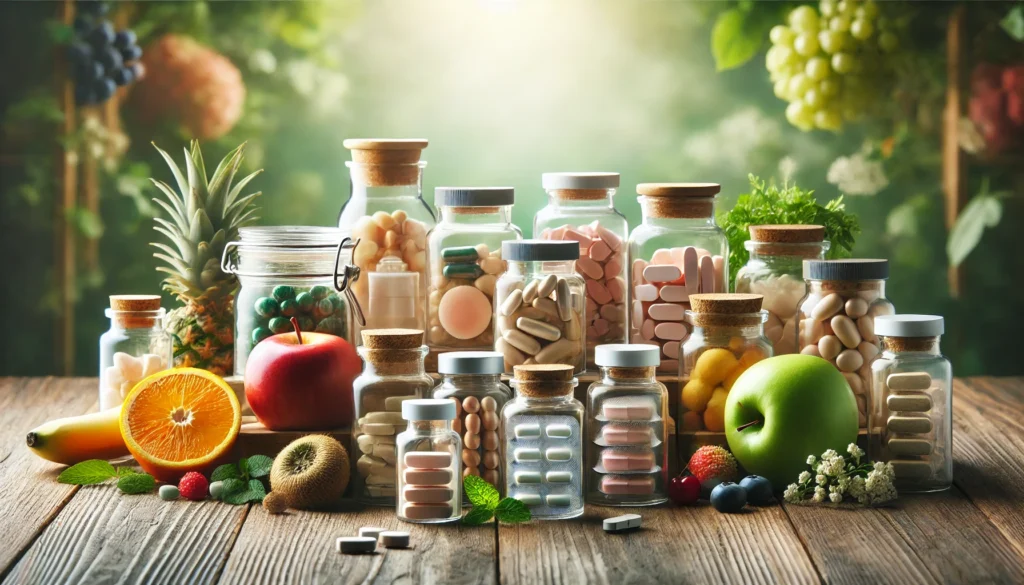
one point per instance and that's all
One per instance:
(974, 533)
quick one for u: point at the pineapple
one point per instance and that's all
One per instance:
(204, 216)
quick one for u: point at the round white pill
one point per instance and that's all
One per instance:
(371, 531)
(394, 539)
(356, 544)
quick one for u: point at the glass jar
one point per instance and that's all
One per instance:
(837, 318)
(627, 426)
(386, 213)
(285, 272)
(677, 251)
(393, 372)
(912, 398)
(728, 337)
(429, 466)
(472, 380)
(543, 446)
(775, 271)
(580, 209)
(464, 255)
(135, 346)
(539, 311)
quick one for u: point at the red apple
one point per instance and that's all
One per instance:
(302, 381)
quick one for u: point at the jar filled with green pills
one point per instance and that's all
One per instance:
(287, 272)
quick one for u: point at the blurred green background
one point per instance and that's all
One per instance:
(506, 90)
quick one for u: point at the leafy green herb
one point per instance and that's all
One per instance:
(224, 472)
(97, 471)
(486, 504)
(767, 203)
(253, 492)
(985, 210)
(259, 465)
(242, 481)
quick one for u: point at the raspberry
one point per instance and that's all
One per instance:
(194, 486)
(712, 465)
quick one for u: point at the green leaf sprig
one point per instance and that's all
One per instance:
(768, 203)
(95, 471)
(243, 481)
(487, 505)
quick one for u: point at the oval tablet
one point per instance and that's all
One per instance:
(427, 476)
(428, 459)
(846, 330)
(512, 302)
(909, 447)
(674, 293)
(909, 424)
(394, 539)
(670, 331)
(662, 273)
(666, 311)
(427, 494)
(559, 431)
(589, 268)
(427, 511)
(524, 454)
(558, 454)
(909, 381)
(558, 477)
(529, 499)
(558, 500)
(909, 402)
(547, 286)
(539, 329)
(370, 531)
(645, 292)
(527, 477)
(527, 430)
(530, 292)
(521, 341)
(827, 307)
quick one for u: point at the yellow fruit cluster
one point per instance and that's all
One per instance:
(714, 373)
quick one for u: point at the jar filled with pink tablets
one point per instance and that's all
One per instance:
(580, 209)
(676, 252)
(429, 463)
(627, 429)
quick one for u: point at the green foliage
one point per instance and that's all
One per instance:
(136, 483)
(479, 492)
(243, 481)
(1013, 23)
(486, 504)
(95, 471)
(984, 211)
(739, 33)
(767, 203)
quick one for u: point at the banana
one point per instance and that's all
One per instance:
(78, 438)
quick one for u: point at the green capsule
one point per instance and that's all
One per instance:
(289, 308)
(284, 292)
(306, 323)
(332, 325)
(169, 493)
(280, 325)
(319, 291)
(266, 307)
(460, 254)
(466, 271)
(305, 301)
(259, 334)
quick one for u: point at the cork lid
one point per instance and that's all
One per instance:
(385, 150)
(392, 338)
(135, 302)
(678, 189)
(726, 303)
(544, 380)
(787, 234)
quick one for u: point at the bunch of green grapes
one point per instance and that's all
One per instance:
(827, 60)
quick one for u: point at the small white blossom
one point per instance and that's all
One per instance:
(819, 495)
(835, 497)
(811, 460)
(831, 453)
(854, 450)
(792, 493)
(805, 476)
(857, 175)
(820, 479)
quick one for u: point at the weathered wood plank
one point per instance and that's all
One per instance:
(676, 544)
(988, 450)
(104, 536)
(29, 495)
(299, 547)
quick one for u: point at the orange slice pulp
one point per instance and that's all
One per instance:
(180, 420)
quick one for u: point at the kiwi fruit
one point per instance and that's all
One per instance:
(275, 503)
(311, 472)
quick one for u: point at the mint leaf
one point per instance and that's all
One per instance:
(136, 483)
(256, 490)
(232, 485)
(511, 511)
(88, 472)
(226, 471)
(125, 471)
(259, 465)
(253, 492)
(477, 516)
(243, 466)
(480, 493)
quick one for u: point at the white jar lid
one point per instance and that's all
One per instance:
(909, 325)
(471, 362)
(580, 180)
(633, 355)
(428, 409)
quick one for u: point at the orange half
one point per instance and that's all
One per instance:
(180, 420)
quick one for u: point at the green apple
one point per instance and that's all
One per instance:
(785, 408)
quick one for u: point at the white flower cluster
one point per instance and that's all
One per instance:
(857, 175)
(836, 477)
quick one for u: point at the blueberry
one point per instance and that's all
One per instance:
(728, 497)
(84, 95)
(759, 490)
(110, 58)
(80, 53)
(104, 88)
(122, 76)
(102, 35)
(132, 53)
(124, 39)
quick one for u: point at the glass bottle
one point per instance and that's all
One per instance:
(543, 446)
(580, 209)
(135, 346)
(387, 214)
(393, 372)
(627, 428)
(836, 318)
(676, 251)
(728, 337)
(775, 271)
(912, 392)
(539, 310)
(464, 256)
(472, 380)
(285, 272)
(429, 466)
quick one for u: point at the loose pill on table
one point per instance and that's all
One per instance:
(370, 531)
(395, 539)
(427, 476)
(558, 477)
(526, 454)
(909, 424)
(558, 454)
(529, 499)
(558, 500)
(912, 469)
(559, 431)
(909, 381)
(909, 402)
(909, 447)
(426, 511)
(355, 544)
(527, 430)
(169, 493)
(512, 302)
(428, 459)
(527, 477)
(622, 523)
(427, 494)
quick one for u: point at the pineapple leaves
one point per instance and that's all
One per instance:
(178, 177)
(233, 195)
(197, 159)
(197, 193)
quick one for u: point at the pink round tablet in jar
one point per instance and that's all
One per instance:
(464, 312)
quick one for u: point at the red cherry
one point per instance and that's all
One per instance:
(684, 490)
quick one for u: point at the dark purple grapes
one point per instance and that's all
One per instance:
(132, 53)
(124, 39)
(79, 53)
(100, 58)
(111, 59)
(102, 35)
(122, 76)
(92, 7)
(104, 88)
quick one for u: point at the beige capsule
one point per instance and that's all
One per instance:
(485, 284)
(492, 265)
(849, 360)
(827, 307)
(563, 299)
(467, 471)
(856, 307)
(868, 350)
(489, 440)
(829, 347)
(856, 384)
(573, 331)
(846, 330)
(471, 441)
(547, 286)
(513, 357)
(470, 457)
(557, 352)
(488, 404)
(521, 341)
(512, 302)
(473, 424)
(489, 419)
(538, 329)
(457, 425)
(909, 424)
(811, 349)
(547, 305)
(530, 292)
(471, 404)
